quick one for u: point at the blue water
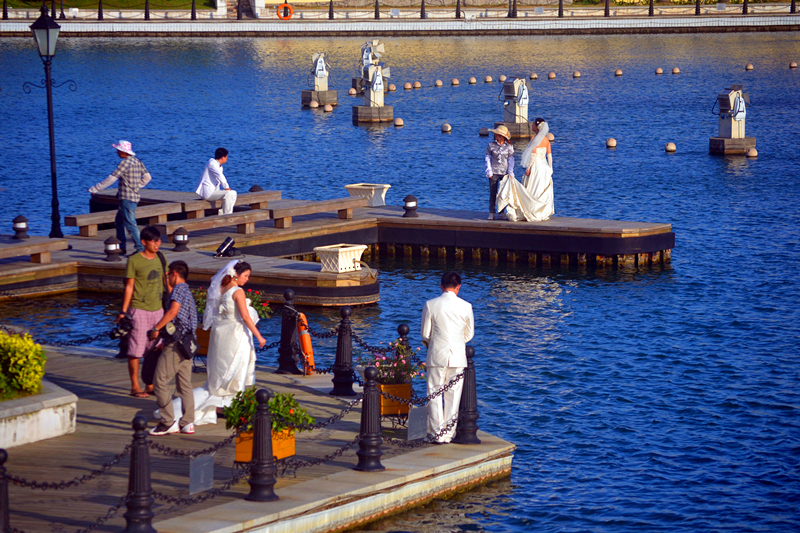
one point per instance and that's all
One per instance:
(663, 399)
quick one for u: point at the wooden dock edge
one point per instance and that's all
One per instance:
(347, 499)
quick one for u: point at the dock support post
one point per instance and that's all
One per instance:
(666, 256)
(442, 251)
(424, 251)
(390, 250)
(5, 520)
(511, 256)
(599, 261)
(408, 252)
(545, 260)
(642, 260)
(369, 447)
(655, 257)
(532, 259)
(459, 254)
(139, 515)
(288, 349)
(564, 260)
(476, 255)
(467, 428)
(493, 255)
(581, 258)
(343, 365)
(262, 465)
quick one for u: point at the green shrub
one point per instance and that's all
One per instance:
(21, 365)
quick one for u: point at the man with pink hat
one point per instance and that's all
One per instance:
(132, 176)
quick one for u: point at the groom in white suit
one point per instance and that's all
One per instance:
(214, 186)
(447, 325)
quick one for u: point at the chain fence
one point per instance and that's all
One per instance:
(61, 485)
(290, 465)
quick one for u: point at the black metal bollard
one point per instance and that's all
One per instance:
(606, 12)
(140, 495)
(745, 11)
(330, 10)
(194, 10)
(146, 9)
(343, 365)
(262, 465)
(53, 10)
(697, 8)
(514, 11)
(62, 16)
(650, 11)
(5, 9)
(792, 7)
(5, 520)
(403, 331)
(467, 427)
(287, 363)
(377, 11)
(458, 9)
(508, 16)
(369, 447)
(422, 10)
(561, 9)
(99, 9)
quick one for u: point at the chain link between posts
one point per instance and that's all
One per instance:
(293, 465)
(171, 452)
(420, 401)
(61, 485)
(421, 442)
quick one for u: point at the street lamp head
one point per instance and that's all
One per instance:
(45, 32)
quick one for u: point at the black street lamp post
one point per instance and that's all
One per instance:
(45, 33)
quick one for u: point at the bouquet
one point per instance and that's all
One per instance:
(256, 300)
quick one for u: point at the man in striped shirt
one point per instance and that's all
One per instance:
(132, 176)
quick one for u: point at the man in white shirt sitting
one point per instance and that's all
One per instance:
(214, 186)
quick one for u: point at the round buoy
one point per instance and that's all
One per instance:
(398, 122)
(328, 108)
(502, 78)
(611, 143)
(446, 128)
(551, 137)
(576, 74)
(552, 76)
(454, 81)
(313, 104)
(351, 92)
(438, 83)
(748, 66)
(752, 152)
(487, 79)
(407, 86)
(793, 64)
(676, 70)
(473, 81)
(670, 147)
(659, 71)
(483, 132)
(534, 76)
(417, 85)
(618, 72)
(392, 87)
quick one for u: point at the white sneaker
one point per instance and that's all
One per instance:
(162, 429)
(188, 429)
(491, 216)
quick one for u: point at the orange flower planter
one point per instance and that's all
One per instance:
(203, 337)
(282, 445)
(393, 407)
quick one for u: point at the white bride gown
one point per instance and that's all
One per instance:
(230, 363)
(533, 199)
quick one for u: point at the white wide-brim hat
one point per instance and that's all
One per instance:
(502, 130)
(125, 146)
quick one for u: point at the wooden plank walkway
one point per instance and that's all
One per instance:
(104, 415)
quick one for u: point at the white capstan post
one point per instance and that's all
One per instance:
(319, 69)
(515, 106)
(373, 72)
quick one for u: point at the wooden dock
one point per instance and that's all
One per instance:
(104, 414)
(283, 257)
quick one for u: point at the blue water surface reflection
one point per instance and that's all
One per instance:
(657, 400)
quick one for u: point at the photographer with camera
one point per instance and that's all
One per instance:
(145, 284)
(180, 345)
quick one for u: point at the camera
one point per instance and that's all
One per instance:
(124, 327)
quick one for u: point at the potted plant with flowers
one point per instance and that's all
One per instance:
(283, 409)
(396, 368)
(257, 300)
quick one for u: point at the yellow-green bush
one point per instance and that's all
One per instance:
(21, 365)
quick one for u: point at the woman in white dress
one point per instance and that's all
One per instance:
(533, 199)
(231, 352)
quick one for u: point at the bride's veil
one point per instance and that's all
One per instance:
(536, 141)
(214, 295)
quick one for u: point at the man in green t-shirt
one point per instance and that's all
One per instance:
(144, 284)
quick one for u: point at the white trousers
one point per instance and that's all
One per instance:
(443, 408)
(228, 200)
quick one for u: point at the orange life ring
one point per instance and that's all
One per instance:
(281, 9)
(305, 343)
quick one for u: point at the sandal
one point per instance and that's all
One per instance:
(139, 394)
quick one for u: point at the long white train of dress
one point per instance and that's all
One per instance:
(230, 362)
(532, 201)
